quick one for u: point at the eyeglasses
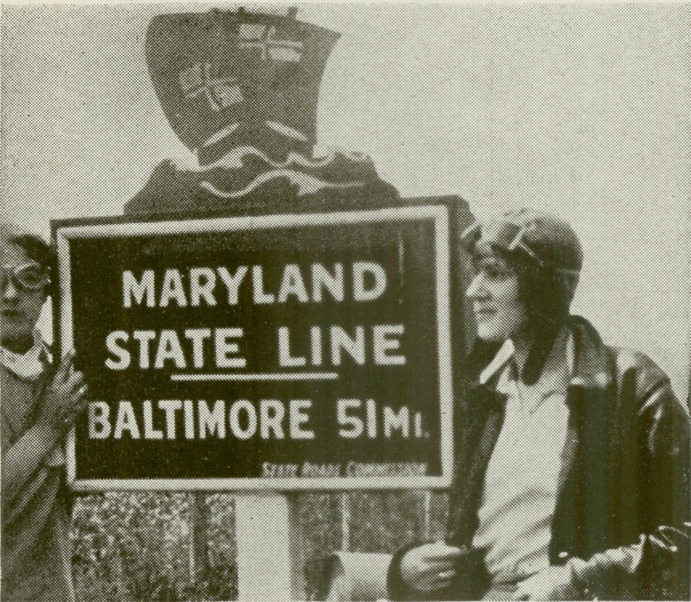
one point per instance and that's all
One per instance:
(30, 276)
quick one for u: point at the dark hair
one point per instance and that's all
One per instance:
(544, 292)
(547, 299)
(38, 250)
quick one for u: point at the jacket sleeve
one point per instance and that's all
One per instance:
(664, 568)
(658, 566)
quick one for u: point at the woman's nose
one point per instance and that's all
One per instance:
(477, 289)
(9, 289)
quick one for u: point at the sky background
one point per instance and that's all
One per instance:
(581, 110)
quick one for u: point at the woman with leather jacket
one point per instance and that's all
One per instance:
(572, 457)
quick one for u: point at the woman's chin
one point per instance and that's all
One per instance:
(489, 335)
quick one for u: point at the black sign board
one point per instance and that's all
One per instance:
(284, 352)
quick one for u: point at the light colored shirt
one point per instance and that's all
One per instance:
(520, 489)
(521, 484)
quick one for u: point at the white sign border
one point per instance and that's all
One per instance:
(439, 214)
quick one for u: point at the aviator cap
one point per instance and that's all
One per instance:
(546, 239)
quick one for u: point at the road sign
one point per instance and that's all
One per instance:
(274, 352)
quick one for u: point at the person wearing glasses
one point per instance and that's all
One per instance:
(39, 405)
(572, 457)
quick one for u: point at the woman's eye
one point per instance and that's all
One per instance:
(495, 272)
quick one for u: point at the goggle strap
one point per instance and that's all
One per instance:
(517, 243)
(471, 231)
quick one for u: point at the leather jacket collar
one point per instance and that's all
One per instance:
(591, 368)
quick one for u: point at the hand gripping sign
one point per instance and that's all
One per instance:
(305, 351)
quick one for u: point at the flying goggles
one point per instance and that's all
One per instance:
(30, 276)
(508, 236)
